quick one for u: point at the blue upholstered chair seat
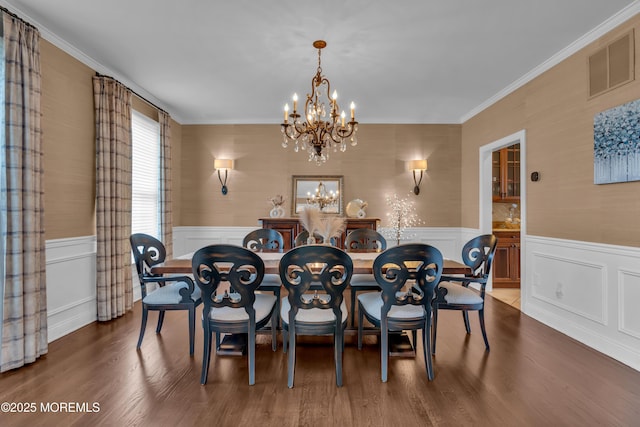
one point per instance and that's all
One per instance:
(361, 280)
(270, 281)
(169, 294)
(313, 315)
(371, 302)
(262, 305)
(458, 294)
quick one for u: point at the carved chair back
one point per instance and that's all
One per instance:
(264, 240)
(365, 240)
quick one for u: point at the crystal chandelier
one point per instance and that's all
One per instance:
(319, 133)
(322, 198)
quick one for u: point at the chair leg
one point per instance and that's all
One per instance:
(143, 325)
(285, 339)
(465, 317)
(353, 307)
(426, 349)
(482, 328)
(291, 367)
(206, 356)
(160, 321)
(360, 325)
(274, 329)
(384, 349)
(252, 354)
(338, 352)
(192, 329)
(434, 330)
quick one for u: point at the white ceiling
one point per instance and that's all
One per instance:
(403, 61)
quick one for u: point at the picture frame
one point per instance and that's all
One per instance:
(323, 191)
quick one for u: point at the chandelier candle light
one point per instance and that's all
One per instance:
(317, 132)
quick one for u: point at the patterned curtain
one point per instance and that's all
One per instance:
(24, 302)
(166, 218)
(113, 192)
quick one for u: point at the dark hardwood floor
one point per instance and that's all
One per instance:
(533, 376)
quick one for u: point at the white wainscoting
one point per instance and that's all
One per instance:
(71, 284)
(588, 291)
(448, 240)
(189, 239)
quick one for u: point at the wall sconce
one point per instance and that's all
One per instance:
(225, 165)
(415, 166)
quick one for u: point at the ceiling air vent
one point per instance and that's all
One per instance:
(612, 66)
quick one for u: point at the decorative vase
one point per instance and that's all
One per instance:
(361, 213)
(277, 212)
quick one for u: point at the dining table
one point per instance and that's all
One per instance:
(362, 264)
(234, 345)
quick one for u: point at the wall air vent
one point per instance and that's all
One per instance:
(612, 66)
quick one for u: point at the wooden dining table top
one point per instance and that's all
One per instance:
(362, 264)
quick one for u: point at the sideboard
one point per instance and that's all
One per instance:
(290, 227)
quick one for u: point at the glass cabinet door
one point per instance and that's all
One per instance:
(506, 173)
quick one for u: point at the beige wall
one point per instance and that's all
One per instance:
(371, 170)
(557, 115)
(68, 127)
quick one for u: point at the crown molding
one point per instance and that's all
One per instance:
(593, 35)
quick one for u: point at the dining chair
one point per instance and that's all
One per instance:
(315, 277)
(363, 240)
(267, 240)
(235, 308)
(453, 291)
(171, 292)
(408, 276)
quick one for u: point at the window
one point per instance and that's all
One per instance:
(145, 189)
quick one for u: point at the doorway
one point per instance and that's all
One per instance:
(486, 206)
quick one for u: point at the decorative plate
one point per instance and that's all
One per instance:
(353, 207)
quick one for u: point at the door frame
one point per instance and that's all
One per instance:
(486, 199)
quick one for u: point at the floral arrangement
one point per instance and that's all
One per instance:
(277, 200)
(326, 226)
(310, 219)
(331, 226)
(402, 216)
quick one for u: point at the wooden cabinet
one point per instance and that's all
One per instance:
(506, 261)
(290, 227)
(506, 174)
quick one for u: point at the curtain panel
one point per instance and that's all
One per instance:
(24, 301)
(113, 192)
(166, 218)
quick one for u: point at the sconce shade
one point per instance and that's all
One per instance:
(223, 164)
(417, 165)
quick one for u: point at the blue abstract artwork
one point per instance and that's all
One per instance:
(616, 149)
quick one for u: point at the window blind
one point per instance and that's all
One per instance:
(145, 217)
